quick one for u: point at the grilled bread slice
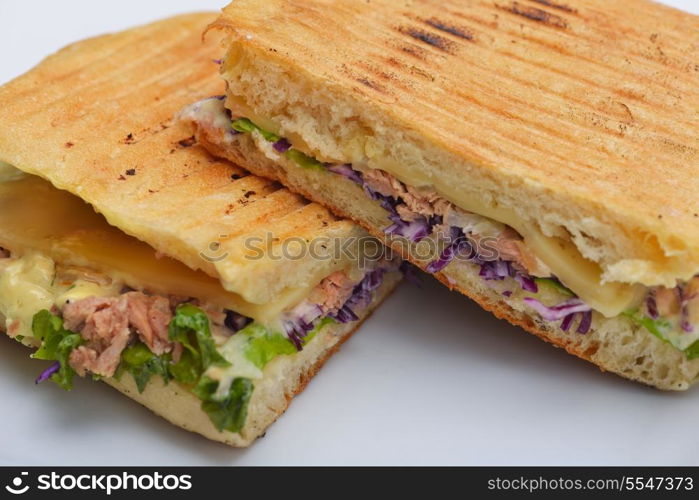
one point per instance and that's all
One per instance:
(97, 119)
(570, 124)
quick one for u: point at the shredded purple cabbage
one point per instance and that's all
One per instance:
(559, 311)
(373, 280)
(344, 315)
(585, 322)
(567, 322)
(415, 230)
(297, 332)
(46, 374)
(235, 321)
(361, 296)
(652, 306)
(526, 282)
(457, 239)
(282, 146)
(566, 311)
(501, 269)
(494, 270)
(301, 321)
(347, 171)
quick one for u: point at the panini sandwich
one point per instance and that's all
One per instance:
(541, 157)
(130, 254)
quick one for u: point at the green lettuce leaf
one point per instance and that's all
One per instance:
(231, 412)
(142, 364)
(246, 126)
(190, 327)
(264, 345)
(657, 327)
(57, 344)
(692, 351)
(303, 160)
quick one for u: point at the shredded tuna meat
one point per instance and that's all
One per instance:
(425, 201)
(384, 183)
(85, 359)
(109, 324)
(510, 246)
(333, 291)
(418, 203)
(150, 316)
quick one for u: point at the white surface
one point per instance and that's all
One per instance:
(430, 379)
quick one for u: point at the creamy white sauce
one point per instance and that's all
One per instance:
(211, 111)
(28, 284)
(233, 351)
(25, 288)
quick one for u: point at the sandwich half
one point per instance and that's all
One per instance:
(540, 157)
(129, 254)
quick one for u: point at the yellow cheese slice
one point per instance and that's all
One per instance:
(36, 217)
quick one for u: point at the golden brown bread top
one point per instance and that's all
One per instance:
(98, 119)
(594, 102)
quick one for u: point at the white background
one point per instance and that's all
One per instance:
(430, 379)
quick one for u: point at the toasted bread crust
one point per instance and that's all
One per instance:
(98, 119)
(579, 116)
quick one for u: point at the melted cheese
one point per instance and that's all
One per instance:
(28, 284)
(36, 217)
(82, 289)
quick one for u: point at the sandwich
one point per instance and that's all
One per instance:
(540, 157)
(131, 255)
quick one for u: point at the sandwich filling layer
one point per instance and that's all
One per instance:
(90, 319)
(555, 281)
